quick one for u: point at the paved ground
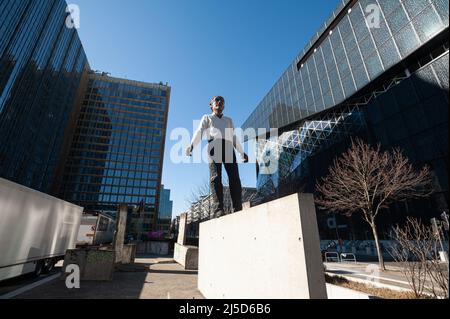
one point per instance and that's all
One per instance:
(162, 278)
(14, 284)
(148, 278)
(393, 276)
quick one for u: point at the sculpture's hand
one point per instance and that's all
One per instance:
(189, 150)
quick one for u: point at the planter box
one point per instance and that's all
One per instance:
(95, 265)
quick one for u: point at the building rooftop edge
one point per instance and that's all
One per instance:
(106, 75)
(304, 51)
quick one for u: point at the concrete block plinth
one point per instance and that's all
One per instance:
(271, 251)
(95, 265)
(153, 247)
(128, 254)
(186, 256)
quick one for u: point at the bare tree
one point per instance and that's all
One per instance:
(411, 248)
(417, 250)
(202, 190)
(366, 180)
(201, 197)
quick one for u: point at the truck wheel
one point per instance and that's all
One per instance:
(49, 264)
(39, 268)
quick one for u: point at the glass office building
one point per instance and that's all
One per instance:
(116, 155)
(165, 210)
(166, 205)
(41, 67)
(377, 69)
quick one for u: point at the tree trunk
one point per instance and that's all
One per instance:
(377, 243)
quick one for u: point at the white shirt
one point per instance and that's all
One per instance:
(217, 128)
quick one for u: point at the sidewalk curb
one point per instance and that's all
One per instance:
(371, 283)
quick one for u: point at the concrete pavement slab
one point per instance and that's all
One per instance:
(148, 278)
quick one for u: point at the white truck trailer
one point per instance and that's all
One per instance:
(35, 230)
(95, 230)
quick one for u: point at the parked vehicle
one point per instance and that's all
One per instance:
(96, 229)
(35, 230)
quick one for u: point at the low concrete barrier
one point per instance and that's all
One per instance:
(95, 265)
(186, 256)
(271, 251)
(128, 254)
(153, 247)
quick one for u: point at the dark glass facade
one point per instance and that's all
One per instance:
(386, 84)
(41, 67)
(165, 210)
(88, 138)
(165, 204)
(350, 55)
(116, 155)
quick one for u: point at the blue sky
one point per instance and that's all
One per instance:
(202, 48)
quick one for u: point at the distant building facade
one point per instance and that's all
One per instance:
(202, 209)
(165, 210)
(116, 155)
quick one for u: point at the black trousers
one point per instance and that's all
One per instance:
(221, 152)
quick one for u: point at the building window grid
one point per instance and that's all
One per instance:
(436, 12)
(348, 61)
(288, 93)
(275, 106)
(20, 49)
(359, 51)
(125, 127)
(279, 102)
(145, 105)
(375, 46)
(389, 29)
(99, 91)
(114, 168)
(120, 120)
(328, 78)
(118, 111)
(96, 148)
(131, 170)
(269, 104)
(124, 182)
(337, 72)
(15, 7)
(296, 100)
(144, 191)
(156, 104)
(35, 53)
(86, 138)
(364, 65)
(311, 87)
(97, 133)
(50, 33)
(283, 100)
(304, 92)
(318, 80)
(293, 94)
(272, 105)
(409, 23)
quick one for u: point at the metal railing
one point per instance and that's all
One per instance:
(332, 257)
(348, 257)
